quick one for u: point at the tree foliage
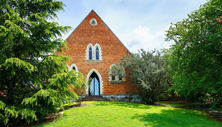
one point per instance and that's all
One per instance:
(32, 83)
(195, 58)
(80, 89)
(146, 71)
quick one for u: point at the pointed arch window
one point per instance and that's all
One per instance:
(73, 67)
(115, 78)
(93, 53)
(93, 22)
(90, 53)
(97, 53)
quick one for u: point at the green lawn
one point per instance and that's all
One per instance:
(115, 114)
(171, 104)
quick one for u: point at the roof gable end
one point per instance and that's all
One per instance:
(88, 19)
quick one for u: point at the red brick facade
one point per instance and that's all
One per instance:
(111, 52)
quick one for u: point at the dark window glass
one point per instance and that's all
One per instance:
(93, 22)
(113, 77)
(120, 78)
(74, 68)
(97, 53)
(90, 53)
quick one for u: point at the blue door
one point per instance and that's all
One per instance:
(94, 86)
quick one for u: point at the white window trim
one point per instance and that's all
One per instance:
(71, 67)
(93, 51)
(100, 51)
(110, 77)
(87, 51)
(93, 19)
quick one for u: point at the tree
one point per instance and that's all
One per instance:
(32, 82)
(146, 71)
(195, 58)
(219, 20)
(80, 89)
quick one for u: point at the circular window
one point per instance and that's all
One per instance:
(93, 22)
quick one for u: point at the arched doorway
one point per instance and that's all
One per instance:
(94, 85)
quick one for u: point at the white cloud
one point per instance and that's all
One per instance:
(143, 37)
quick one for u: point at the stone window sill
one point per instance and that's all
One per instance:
(94, 61)
(120, 81)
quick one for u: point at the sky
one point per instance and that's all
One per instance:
(137, 23)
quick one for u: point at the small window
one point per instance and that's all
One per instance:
(97, 53)
(90, 53)
(74, 68)
(93, 22)
(120, 78)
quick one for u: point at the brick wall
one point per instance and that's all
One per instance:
(112, 51)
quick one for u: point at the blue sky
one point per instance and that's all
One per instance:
(137, 23)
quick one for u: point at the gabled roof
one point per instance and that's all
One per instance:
(103, 22)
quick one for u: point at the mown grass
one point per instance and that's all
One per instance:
(170, 104)
(117, 114)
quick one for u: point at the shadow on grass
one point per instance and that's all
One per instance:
(176, 118)
(122, 104)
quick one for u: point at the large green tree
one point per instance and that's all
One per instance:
(195, 59)
(146, 71)
(32, 82)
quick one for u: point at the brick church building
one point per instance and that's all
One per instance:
(94, 49)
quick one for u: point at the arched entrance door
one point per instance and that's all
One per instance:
(94, 85)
